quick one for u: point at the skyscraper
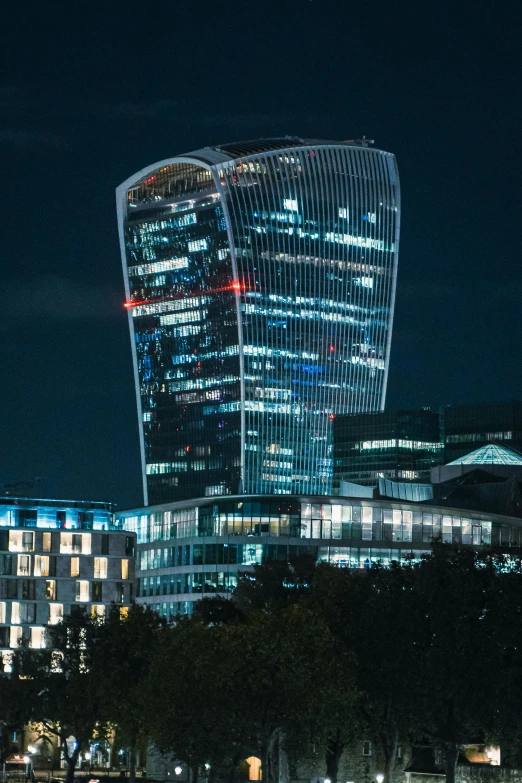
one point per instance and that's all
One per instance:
(260, 283)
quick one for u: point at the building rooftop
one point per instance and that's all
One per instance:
(490, 455)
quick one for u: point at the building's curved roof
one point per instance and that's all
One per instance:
(490, 455)
(240, 149)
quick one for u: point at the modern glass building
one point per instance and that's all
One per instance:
(260, 283)
(397, 445)
(188, 550)
(468, 427)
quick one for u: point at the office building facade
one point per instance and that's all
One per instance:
(468, 427)
(395, 445)
(191, 549)
(260, 283)
(55, 555)
(406, 444)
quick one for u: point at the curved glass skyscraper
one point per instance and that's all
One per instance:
(260, 282)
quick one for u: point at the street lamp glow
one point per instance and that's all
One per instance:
(32, 749)
(87, 755)
(207, 767)
(327, 780)
(379, 778)
(27, 759)
(178, 770)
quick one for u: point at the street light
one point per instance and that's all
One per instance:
(178, 770)
(379, 778)
(32, 749)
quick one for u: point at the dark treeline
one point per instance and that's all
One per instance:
(302, 656)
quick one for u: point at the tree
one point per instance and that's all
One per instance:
(120, 668)
(191, 677)
(469, 664)
(65, 700)
(217, 610)
(235, 689)
(16, 703)
(275, 584)
(373, 614)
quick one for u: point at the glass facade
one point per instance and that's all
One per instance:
(468, 427)
(56, 514)
(393, 444)
(260, 282)
(189, 550)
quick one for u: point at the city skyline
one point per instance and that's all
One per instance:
(260, 279)
(83, 108)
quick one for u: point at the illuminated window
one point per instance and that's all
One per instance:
(82, 590)
(24, 565)
(100, 568)
(72, 543)
(37, 641)
(292, 206)
(46, 542)
(124, 569)
(75, 566)
(15, 613)
(197, 244)
(15, 636)
(2, 612)
(98, 611)
(21, 541)
(55, 613)
(124, 612)
(50, 589)
(41, 565)
(254, 768)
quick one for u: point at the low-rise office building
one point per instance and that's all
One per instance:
(404, 445)
(397, 445)
(55, 555)
(191, 549)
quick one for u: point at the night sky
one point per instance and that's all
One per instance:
(92, 92)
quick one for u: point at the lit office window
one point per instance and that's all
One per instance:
(15, 613)
(2, 612)
(98, 611)
(15, 636)
(82, 590)
(46, 542)
(75, 566)
(21, 541)
(55, 613)
(75, 543)
(41, 565)
(37, 641)
(124, 569)
(100, 568)
(50, 589)
(24, 565)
